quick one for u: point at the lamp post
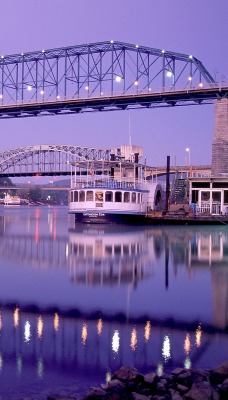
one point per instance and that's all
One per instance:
(189, 162)
(188, 151)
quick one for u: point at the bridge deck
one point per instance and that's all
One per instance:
(162, 98)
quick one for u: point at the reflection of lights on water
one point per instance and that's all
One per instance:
(133, 339)
(108, 376)
(50, 222)
(37, 216)
(198, 336)
(1, 361)
(40, 326)
(187, 363)
(40, 367)
(159, 370)
(166, 348)
(84, 333)
(1, 324)
(16, 317)
(27, 333)
(19, 364)
(56, 322)
(147, 331)
(99, 326)
(115, 342)
(67, 250)
(187, 344)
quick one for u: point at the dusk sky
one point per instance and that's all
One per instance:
(197, 27)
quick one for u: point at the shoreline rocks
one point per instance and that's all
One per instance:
(181, 384)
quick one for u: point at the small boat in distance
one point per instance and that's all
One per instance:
(113, 191)
(11, 200)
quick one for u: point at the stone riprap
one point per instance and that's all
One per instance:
(181, 384)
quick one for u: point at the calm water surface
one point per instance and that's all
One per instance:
(78, 302)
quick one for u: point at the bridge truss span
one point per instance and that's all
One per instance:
(101, 77)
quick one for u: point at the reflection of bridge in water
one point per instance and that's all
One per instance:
(110, 257)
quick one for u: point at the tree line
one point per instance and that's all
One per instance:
(35, 194)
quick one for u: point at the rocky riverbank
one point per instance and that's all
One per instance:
(180, 384)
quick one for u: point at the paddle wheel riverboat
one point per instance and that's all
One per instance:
(115, 191)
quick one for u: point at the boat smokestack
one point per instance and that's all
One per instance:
(136, 158)
(167, 183)
(136, 162)
(112, 158)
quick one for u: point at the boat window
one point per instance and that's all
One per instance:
(71, 196)
(81, 195)
(126, 197)
(139, 198)
(108, 196)
(89, 195)
(75, 195)
(98, 196)
(118, 197)
(133, 197)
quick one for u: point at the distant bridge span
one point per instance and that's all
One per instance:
(104, 76)
(56, 160)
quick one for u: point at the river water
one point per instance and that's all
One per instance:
(77, 301)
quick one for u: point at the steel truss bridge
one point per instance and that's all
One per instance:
(103, 76)
(49, 159)
(56, 160)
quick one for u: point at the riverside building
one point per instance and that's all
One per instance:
(210, 194)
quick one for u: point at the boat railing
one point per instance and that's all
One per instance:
(107, 184)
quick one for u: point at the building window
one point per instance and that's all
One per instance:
(108, 196)
(200, 185)
(89, 195)
(216, 196)
(225, 196)
(219, 185)
(126, 197)
(205, 196)
(195, 196)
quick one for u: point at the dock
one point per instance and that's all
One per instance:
(161, 218)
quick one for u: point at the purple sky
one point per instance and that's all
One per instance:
(197, 27)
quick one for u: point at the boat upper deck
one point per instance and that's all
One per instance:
(109, 175)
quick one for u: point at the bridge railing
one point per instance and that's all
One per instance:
(107, 184)
(38, 98)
